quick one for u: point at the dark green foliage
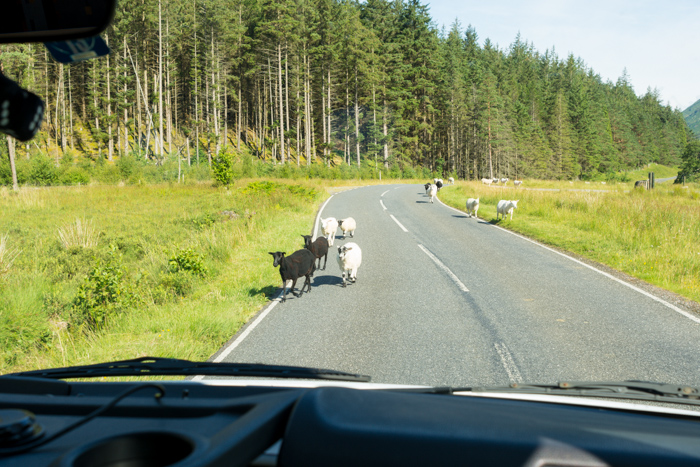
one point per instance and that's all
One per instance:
(222, 168)
(187, 260)
(690, 168)
(104, 292)
(333, 89)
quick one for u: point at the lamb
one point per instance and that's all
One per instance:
(506, 206)
(329, 227)
(349, 259)
(292, 267)
(472, 206)
(319, 248)
(432, 192)
(348, 225)
(451, 180)
(517, 183)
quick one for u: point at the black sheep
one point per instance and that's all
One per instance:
(292, 267)
(319, 248)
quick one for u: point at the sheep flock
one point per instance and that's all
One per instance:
(302, 263)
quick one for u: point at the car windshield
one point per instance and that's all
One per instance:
(427, 193)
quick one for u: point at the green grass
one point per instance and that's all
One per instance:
(185, 312)
(653, 235)
(184, 266)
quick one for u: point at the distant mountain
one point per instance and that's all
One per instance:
(692, 118)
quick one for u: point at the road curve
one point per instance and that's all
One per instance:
(443, 299)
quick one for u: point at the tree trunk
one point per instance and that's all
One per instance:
(160, 80)
(357, 120)
(281, 100)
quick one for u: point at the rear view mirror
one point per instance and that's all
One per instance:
(53, 20)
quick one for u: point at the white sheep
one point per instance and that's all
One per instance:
(451, 180)
(504, 181)
(486, 181)
(517, 183)
(347, 225)
(472, 206)
(506, 206)
(329, 226)
(432, 192)
(349, 260)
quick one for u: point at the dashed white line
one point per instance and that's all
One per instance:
(508, 362)
(609, 276)
(442, 266)
(399, 223)
(387, 191)
(382, 203)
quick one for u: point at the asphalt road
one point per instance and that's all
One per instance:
(442, 299)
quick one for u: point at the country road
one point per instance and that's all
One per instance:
(442, 299)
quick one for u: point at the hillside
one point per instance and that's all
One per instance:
(692, 118)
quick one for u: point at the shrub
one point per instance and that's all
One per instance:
(104, 293)
(189, 261)
(222, 168)
(42, 171)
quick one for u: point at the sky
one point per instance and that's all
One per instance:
(656, 41)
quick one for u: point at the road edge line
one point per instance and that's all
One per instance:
(609, 276)
(252, 324)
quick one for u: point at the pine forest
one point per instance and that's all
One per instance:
(372, 86)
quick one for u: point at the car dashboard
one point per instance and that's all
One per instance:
(197, 424)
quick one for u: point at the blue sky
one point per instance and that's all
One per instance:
(658, 42)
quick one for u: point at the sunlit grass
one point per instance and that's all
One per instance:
(653, 235)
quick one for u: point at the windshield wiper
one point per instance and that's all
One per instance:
(154, 366)
(640, 390)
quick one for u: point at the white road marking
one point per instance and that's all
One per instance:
(508, 362)
(220, 358)
(398, 223)
(382, 203)
(442, 266)
(609, 276)
(318, 219)
(265, 312)
(387, 191)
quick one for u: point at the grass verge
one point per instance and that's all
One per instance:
(652, 235)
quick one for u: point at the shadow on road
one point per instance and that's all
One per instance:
(327, 280)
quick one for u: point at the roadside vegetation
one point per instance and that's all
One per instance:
(653, 235)
(100, 273)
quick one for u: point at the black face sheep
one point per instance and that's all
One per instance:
(292, 267)
(427, 187)
(319, 248)
(439, 184)
(347, 225)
